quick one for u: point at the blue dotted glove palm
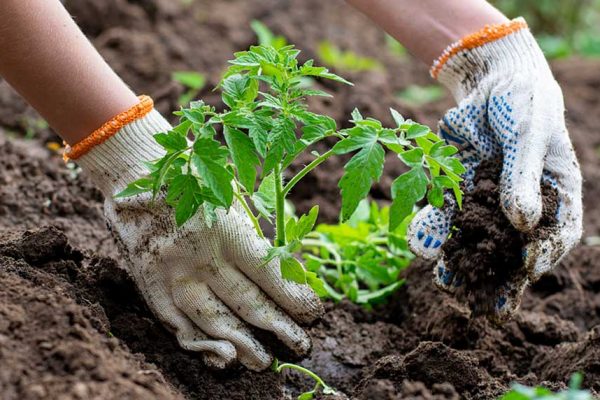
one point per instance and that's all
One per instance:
(510, 110)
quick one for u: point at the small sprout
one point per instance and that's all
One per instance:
(266, 37)
(347, 60)
(574, 392)
(320, 385)
(417, 96)
(192, 81)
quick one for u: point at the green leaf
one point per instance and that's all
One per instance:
(363, 169)
(413, 157)
(358, 138)
(190, 79)
(435, 196)
(356, 115)
(306, 223)
(243, 155)
(316, 284)
(171, 141)
(407, 189)
(398, 118)
(309, 70)
(418, 96)
(210, 159)
(264, 197)
(347, 60)
(292, 270)
(190, 200)
(284, 133)
(377, 296)
(307, 395)
(239, 88)
(139, 186)
(274, 157)
(417, 130)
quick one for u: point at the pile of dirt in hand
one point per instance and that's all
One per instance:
(73, 325)
(485, 251)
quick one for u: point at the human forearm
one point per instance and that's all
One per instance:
(49, 61)
(427, 27)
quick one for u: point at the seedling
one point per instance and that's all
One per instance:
(520, 392)
(359, 259)
(416, 96)
(266, 125)
(266, 37)
(192, 81)
(347, 60)
(320, 385)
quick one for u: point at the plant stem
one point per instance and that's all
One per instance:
(251, 215)
(306, 170)
(308, 372)
(279, 208)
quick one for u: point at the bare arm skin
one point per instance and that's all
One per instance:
(427, 27)
(49, 61)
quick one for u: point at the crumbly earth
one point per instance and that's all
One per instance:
(485, 250)
(72, 325)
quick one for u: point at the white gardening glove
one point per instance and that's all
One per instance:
(510, 109)
(204, 283)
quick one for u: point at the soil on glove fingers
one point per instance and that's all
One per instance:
(485, 251)
(72, 325)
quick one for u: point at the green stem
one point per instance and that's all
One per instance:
(279, 208)
(306, 170)
(308, 372)
(251, 215)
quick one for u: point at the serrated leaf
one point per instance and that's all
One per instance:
(306, 223)
(292, 270)
(243, 155)
(264, 197)
(171, 141)
(407, 189)
(274, 157)
(412, 157)
(398, 118)
(139, 186)
(363, 169)
(210, 158)
(417, 130)
(284, 133)
(316, 284)
(356, 115)
(358, 138)
(321, 72)
(190, 200)
(435, 195)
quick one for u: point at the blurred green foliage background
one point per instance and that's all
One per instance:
(562, 27)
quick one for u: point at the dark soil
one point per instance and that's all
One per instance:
(72, 325)
(486, 251)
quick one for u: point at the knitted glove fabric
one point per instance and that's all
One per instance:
(510, 109)
(204, 283)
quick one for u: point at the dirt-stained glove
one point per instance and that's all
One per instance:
(510, 109)
(205, 283)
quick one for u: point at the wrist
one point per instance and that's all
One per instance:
(113, 155)
(500, 50)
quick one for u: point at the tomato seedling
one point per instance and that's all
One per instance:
(266, 126)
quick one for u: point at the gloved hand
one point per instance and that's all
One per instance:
(510, 109)
(204, 283)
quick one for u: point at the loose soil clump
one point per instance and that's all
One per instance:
(485, 251)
